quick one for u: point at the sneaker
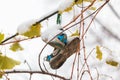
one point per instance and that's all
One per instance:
(58, 60)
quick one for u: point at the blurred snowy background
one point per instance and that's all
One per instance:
(104, 32)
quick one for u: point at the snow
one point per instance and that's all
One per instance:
(50, 33)
(48, 13)
(25, 26)
(65, 4)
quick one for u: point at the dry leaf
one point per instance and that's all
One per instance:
(76, 33)
(7, 63)
(99, 53)
(112, 62)
(34, 31)
(1, 37)
(15, 47)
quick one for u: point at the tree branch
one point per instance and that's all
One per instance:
(42, 19)
(114, 11)
(46, 17)
(32, 72)
(8, 38)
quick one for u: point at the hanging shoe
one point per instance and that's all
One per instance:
(71, 48)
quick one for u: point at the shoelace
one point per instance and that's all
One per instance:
(62, 38)
(48, 58)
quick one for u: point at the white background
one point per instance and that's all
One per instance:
(15, 12)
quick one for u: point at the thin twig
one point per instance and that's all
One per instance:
(96, 12)
(39, 61)
(33, 72)
(28, 64)
(47, 71)
(78, 65)
(73, 66)
(30, 77)
(20, 40)
(114, 11)
(84, 73)
(97, 74)
(9, 38)
(79, 14)
(29, 68)
(87, 30)
(46, 17)
(86, 59)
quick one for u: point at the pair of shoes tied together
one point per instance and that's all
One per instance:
(62, 38)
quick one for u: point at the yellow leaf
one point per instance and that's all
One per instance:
(7, 63)
(68, 8)
(78, 1)
(1, 73)
(112, 63)
(76, 33)
(15, 47)
(81, 1)
(92, 8)
(88, 0)
(99, 53)
(1, 37)
(34, 31)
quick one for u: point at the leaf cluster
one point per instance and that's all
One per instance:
(33, 31)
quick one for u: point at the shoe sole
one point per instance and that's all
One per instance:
(72, 47)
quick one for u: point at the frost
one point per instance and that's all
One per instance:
(65, 4)
(50, 33)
